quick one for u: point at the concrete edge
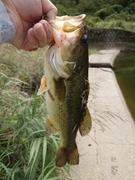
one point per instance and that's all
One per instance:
(108, 62)
(114, 53)
(105, 58)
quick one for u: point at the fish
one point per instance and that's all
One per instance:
(66, 85)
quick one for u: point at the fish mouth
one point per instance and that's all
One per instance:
(69, 32)
(67, 28)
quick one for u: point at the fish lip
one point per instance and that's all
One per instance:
(67, 28)
(75, 21)
(66, 17)
(71, 18)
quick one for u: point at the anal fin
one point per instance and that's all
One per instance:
(43, 86)
(63, 156)
(86, 124)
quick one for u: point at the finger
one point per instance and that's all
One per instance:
(48, 31)
(31, 43)
(40, 34)
(49, 9)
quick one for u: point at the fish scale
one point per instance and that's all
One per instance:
(66, 86)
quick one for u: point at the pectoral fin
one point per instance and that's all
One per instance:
(43, 86)
(86, 124)
(49, 127)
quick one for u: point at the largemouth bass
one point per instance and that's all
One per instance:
(66, 85)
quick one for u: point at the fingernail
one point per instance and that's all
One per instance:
(46, 27)
(38, 27)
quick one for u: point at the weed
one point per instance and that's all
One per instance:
(26, 152)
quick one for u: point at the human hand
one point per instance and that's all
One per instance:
(31, 32)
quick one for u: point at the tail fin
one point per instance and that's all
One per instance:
(63, 156)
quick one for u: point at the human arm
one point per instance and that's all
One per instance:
(7, 30)
(30, 31)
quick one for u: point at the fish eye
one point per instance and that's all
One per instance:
(84, 38)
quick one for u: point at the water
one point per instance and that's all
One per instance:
(125, 74)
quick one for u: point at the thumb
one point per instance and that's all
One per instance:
(49, 9)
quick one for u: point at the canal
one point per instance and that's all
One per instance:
(124, 68)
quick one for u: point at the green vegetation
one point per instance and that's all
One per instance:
(93, 51)
(26, 152)
(114, 14)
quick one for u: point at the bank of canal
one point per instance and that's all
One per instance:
(108, 151)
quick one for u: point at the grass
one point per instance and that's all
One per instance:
(26, 152)
(96, 22)
(93, 51)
